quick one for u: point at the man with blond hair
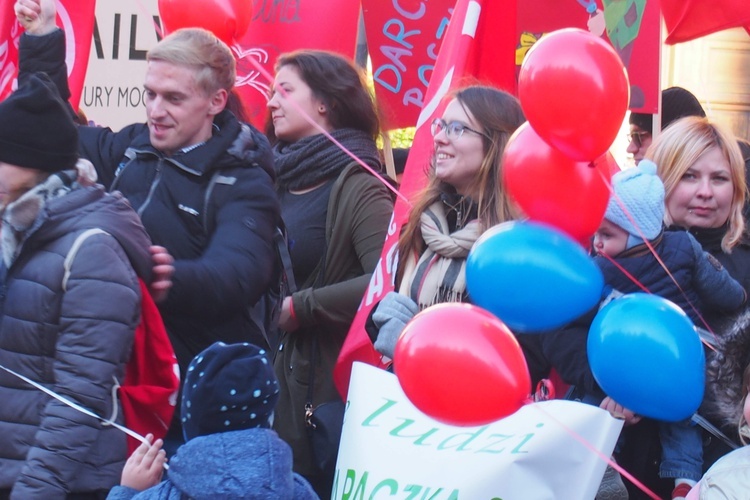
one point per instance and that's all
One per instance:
(201, 181)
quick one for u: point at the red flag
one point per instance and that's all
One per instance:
(10, 30)
(459, 61)
(316, 24)
(689, 19)
(76, 17)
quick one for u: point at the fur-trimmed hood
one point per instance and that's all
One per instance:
(723, 400)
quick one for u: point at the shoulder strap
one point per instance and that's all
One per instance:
(286, 259)
(74, 250)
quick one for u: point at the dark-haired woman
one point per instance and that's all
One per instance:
(336, 214)
(463, 198)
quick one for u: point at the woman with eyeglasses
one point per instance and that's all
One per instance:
(464, 197)
(336, 214)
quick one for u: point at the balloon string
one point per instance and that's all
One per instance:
(598, 453)
(625, 272)
(323, 131)
(146, 12)
(658, 259)
(80, 408)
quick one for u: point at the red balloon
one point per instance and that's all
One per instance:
(551, 188)
(227, 19)
(461, 365)
(574, 91)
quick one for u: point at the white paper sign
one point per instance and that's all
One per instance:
(389, 449)
(113, 94)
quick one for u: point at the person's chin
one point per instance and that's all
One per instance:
(159, 141)
(700, 220)
(443, 170)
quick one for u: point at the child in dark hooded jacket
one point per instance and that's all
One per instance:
(228, 399)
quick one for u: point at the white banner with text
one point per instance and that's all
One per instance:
(389, 449)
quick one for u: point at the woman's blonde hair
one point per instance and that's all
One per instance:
(682, 144)
(499, 114)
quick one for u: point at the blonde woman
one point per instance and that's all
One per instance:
(704, 178)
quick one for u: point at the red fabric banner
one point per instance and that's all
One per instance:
(403, 38)
(283, 26)
(76, 17)
(10, 30)
(689, 19)
(459, 62)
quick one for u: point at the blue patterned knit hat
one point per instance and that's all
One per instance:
(228, 387)
(642, 193)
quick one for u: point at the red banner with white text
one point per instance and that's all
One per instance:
(76, 18)
(403, 38)
(478, 45)
(279, 27)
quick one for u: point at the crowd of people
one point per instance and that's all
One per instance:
(189, 202)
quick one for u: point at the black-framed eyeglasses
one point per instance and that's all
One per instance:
(636, 137)
(453, 130)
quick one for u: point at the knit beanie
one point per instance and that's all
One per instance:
(228, 387)
(645, 121)
(641, 192)
(36, 128)
(677, 103)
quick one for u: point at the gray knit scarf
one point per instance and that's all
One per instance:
(439, 275)
(313, 160)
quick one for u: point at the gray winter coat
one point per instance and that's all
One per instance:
(75, 342)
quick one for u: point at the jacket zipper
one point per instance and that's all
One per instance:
(151, 190)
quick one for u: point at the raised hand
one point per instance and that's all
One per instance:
(37, 17)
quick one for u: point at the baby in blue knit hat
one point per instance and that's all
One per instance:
(632, 236)
(634, 212)
(228, 398)
(627, 244)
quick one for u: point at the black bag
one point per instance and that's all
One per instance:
(324, 424)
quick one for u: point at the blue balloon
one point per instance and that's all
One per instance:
(646, 354)
(531, 276)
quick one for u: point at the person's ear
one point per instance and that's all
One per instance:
(218, 102)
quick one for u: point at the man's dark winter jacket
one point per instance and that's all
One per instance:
(214, 208)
